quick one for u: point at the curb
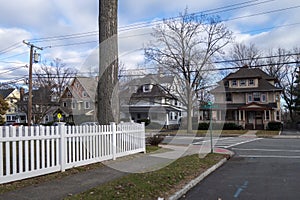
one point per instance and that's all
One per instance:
(194, 182)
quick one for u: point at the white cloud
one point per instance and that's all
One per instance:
(39, 19)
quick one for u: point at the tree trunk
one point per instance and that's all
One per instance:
(107, 91)
(190, 112)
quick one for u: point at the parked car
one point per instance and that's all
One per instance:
(89, 124)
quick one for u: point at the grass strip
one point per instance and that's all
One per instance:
(266, 133)
(151, 185)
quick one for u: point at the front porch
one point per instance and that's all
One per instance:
(250, 117)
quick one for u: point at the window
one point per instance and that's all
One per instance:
(84, 94)
(243, 82)
(256, 96)
(249, 97)
(251, 82)
(267, 115)
(151, 100)
(233, 83)
(263, 97)
(277, 115)
(69, 94)
(146, 88)
(228, 97)
(73, 105)
(226, 84)
(64, 104)
(87, 105)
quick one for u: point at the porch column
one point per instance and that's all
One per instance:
(240, 115)
(220, 115)
(265, 115)
(244, 115)
(167, 119)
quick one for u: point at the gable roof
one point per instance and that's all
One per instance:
(6, 92)
(89, 84)
(152, 79)
(249, 73)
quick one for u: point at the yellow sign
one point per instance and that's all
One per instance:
(59, 116)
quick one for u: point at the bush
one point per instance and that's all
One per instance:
(219, 126)
(232, 126)
(154, 140)
(147, 121)
(274, 126)
(203, 126)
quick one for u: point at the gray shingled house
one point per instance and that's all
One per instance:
(150, 98)
(77, 103)
(249, 97)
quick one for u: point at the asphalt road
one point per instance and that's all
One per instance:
(261, 169)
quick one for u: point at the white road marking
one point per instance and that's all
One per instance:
(247, 141)
(268, 156)
(268, 150)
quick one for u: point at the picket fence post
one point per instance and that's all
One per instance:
(114, 139)
(143, 137)
(62, 132)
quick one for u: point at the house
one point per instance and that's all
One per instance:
(41, 104)
(249, 97)
(11, 96)
(77, 103)
(150, 98)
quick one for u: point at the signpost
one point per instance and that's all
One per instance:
(210, 106)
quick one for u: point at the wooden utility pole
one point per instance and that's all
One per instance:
(107, 92)
(31, 59)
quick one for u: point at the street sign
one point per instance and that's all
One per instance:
(59, 116)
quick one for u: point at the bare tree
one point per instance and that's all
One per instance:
(186, 47)
(107, 92)
(243, 54)
(54, 75)
(3, 108)
(278, 66)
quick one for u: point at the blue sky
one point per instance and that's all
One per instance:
(43, 19)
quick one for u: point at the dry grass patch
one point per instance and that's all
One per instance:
(151, 185)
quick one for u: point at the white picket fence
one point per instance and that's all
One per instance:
(32, 151)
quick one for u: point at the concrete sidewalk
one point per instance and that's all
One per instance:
(77, 183)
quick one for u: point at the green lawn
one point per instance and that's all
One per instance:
(151, 185)
(266, 133)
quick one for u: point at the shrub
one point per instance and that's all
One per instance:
(203, 126)
(147, 121)
(232, 126)
(155, 140)
(274, 126)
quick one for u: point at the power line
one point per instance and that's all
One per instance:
(146, 23)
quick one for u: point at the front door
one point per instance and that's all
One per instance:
(250, 120)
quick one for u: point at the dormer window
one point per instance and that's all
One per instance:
(251, 82)
(234, 83)
(147, 88)
(242, 82)
(84, 94)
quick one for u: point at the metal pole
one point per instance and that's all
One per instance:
(210, 130)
